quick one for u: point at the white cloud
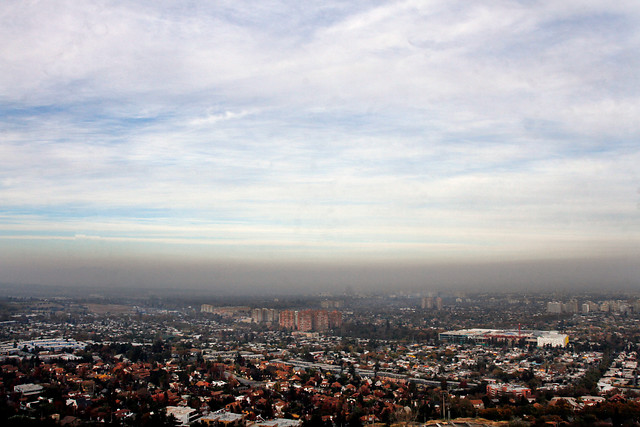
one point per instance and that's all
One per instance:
(388, 125)
(212, 118)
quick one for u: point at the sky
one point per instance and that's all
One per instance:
(266, 144)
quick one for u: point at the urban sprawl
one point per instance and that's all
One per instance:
(328, 360)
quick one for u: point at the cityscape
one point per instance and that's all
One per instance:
(326, 360)
(276, 213)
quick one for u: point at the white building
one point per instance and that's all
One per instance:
(48, 344)
(183, 414)
(28, 389)
(554, 307)
(553, 339)
(278, 422)
(225, 418)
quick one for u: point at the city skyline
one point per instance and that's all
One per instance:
(273, 144)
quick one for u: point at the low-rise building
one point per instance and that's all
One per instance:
(183, 414)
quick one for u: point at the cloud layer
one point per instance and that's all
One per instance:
(432, 131)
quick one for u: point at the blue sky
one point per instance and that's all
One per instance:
(433, 132)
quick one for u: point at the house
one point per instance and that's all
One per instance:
(183, 414)
(277, 422)
(224, 419)
(477, 403)
(28, 389)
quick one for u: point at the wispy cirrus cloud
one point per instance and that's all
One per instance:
(389, 128)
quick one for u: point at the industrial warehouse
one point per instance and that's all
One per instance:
(488, 336)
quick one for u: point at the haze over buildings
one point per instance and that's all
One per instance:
(280, 145)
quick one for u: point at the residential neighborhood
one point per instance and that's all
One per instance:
(77, 363)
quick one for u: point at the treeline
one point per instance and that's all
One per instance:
(611, 413)
(388, 331)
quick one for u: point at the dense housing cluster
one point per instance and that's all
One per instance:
(154, 363)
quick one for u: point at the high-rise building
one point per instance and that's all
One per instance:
(288, 319)
(331, 303)
(439, 303)
(305, 320)
(206, 308)
(308, 320)
(335, 319)
(320, 320)
(427, 303)
(269, 315)
(570, 306)
(256, 315)
(264, 315)
(554, 307)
